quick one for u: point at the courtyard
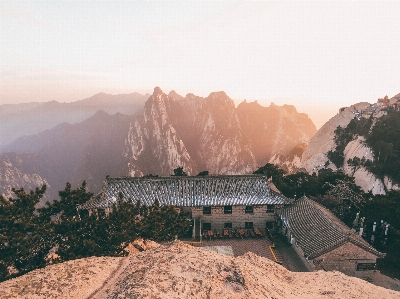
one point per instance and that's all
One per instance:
(282, 252)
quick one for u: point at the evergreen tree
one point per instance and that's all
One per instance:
(179, 172)
(25, 236)
(203, 173)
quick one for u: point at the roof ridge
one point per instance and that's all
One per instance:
(191, 191)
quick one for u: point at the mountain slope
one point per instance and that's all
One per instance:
(32, 118)
(12, 175)
(211, 134)
(356, 123)
(89, 151)
(274, 129)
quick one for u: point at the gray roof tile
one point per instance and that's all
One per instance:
(189, 191)
(317, 230)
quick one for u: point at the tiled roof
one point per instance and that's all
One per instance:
(189, 191)
(317, 230)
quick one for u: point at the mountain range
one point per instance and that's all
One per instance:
(166, 132)
(32, 118)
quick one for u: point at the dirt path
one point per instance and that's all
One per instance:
(123, 262)
(112, 280)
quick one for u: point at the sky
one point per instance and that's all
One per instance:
(318, 56)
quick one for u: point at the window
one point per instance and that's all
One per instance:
(206, 226)
(365, 266)
(269, 225)
(248, 225)
(206, 210)
(228, 225)
(227, 209)
(249, 210)
(270, 208)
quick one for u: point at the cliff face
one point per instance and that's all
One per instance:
(274, 129)
(153, 145)
(323, 141)
(11, 175)
(291, 162)
(211, 134)
(315, 156)
(181, 271)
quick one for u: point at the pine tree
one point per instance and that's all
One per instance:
(25, 235)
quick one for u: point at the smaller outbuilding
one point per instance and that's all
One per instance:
(323, 241)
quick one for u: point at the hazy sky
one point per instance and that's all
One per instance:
(318, 56)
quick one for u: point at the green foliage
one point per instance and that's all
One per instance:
(299, 184)
(69, 199)
(24, 236)
(386, 208)
(337, 157)
(91, 236)
(179, 172)
(383, 207)
(356, 127)
(203, 173)
(163, 223)
(27, 235)
(3, 272)
(384, 140)
(271, 170)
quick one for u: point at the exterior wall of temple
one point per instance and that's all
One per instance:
(238, 217)
(345, 259)
(291, 239)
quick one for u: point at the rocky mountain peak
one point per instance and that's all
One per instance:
(174, 95)
(157, 91)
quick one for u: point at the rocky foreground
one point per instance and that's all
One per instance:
(179, 270)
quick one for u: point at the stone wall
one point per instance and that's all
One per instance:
(292, 240)
(344, 259)
(259, 217)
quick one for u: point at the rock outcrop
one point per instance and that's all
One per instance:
(178, 270)
(322, 142)
(211, 134)
(315, 156)
(11, 175)
(291, 162)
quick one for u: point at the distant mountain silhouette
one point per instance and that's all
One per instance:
(32, 118)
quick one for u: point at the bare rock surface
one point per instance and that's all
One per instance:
(363, 178)
(178, 270)
(73, 279)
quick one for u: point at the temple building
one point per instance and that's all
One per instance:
(214, 202)
(323, 241)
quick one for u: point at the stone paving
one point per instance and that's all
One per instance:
(239, 247)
